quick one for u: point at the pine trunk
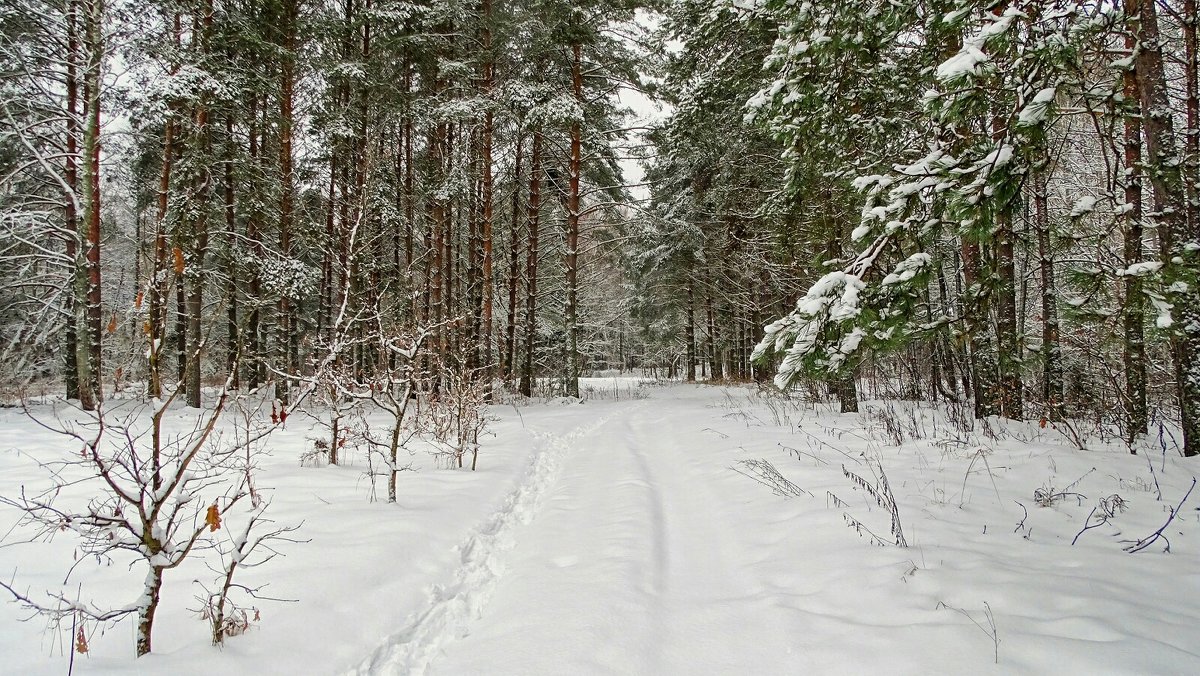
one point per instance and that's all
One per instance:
(1009, 393)
(181, 322)
(255, 375)
(1052, 375)
(438, 220)
(975, 313)
(715, 368)
(514, 271)
(1008, 343)
(1191, 165)
(232, 342)
(1164, 167)
(1137, 415)
(571, 255)
(690, 332)
(846, 388)
(90, 393)
(71, 201)
(200, 190)
(531, 263)
(486, 197)
(285, 330)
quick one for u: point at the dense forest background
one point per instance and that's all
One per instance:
(975, 201)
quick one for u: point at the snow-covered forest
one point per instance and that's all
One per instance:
(396, 337)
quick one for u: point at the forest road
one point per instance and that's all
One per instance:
(628, 565)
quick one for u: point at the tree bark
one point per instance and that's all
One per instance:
(254, 373)
(1052, 375)
(438, 222)
(325, 311)
(233, 341)
(514, 270)
(1137, 415)
(486, 198)
(690, 331)
(90, 394)
(716, 368)
(1191, 165)
(181, 320)
(71, 215)
(146, 613)
(1010, 392)
(202, 182)
(286, 330)
(571, 255)
(531, 263)
(1164, 167)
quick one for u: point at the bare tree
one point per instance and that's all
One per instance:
(158, 495)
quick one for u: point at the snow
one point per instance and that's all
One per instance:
(1163, 320)
(971, 57)
(1036, 110)
(614, 537)
(1083, 206)
(965, 62)
(1140, 269)
(907, 269)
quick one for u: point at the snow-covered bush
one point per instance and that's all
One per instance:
(139, 486)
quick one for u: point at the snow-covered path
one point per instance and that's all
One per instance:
(627, 562)
(631, 568)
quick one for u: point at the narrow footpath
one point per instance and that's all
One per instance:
(614, 556)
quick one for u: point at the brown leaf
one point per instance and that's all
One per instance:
(178, 261)
(112, 324)
(81, 644)
(137, 303)
(213, 518)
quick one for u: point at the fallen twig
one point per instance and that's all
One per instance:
(1145, 542)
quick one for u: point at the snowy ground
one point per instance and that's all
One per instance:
(615, 537)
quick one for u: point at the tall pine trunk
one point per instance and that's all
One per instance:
(254, 373)
(438, 221)
(90, 393)
(1009, 394)
(690, 331)
(1052, 375)
(286, 331)
(531, 264)
(571, 255)
(716, 367)
(202, 183)
(514, 269)
(486, 197)
(1133, 316)
(1191, 165)
(232, 341)
(71, 201)
(1164, 167)
(1008, 343)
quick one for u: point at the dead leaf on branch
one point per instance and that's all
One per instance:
(81, 643)
(213, 518)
